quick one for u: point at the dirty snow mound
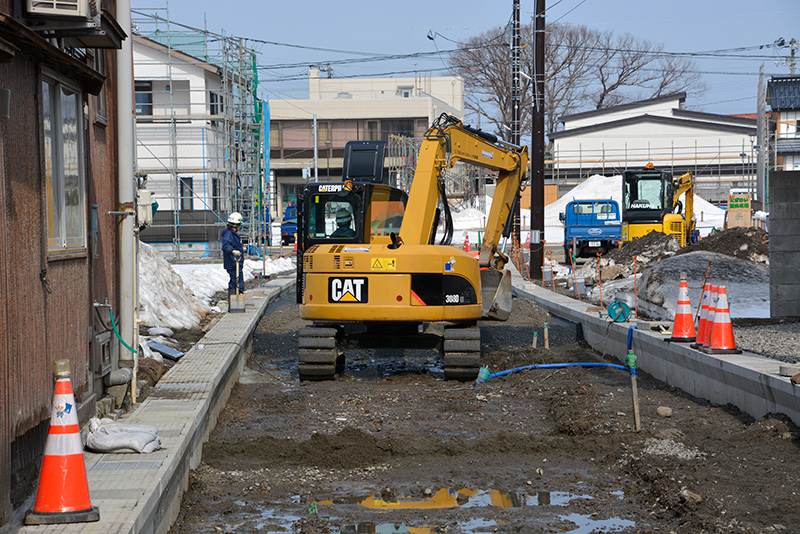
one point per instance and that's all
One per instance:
(163, 298)
(745, 243)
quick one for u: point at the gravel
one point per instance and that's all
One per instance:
(779, 341)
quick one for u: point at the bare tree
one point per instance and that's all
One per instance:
(585, 69)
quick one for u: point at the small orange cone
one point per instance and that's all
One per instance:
(701, 328)
(295, 242)
(466, 244)
(722, 341)
(683, 325)
(63, 493)
(712, 308)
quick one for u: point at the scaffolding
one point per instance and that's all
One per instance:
(199, 135)
(465, 184)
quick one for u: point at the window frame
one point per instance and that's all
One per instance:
(143, 87)
(66, 228)
(186, 184)
(99, 102)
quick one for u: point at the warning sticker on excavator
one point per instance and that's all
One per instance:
(384, 264)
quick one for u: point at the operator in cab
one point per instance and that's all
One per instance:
(343, 221)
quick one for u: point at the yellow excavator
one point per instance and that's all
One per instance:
(651, 202)
(370, 272)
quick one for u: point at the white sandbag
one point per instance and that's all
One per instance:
(106, 435)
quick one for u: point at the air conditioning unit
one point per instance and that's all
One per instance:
(64, 8)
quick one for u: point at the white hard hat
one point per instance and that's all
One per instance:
(343, 217)
(235, 218)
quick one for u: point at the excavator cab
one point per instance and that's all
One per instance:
(650, 204)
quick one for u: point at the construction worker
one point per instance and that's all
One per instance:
(233, 252)
(343, 220)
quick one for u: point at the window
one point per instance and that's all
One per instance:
(215, 194)
(186, 193)
(99, 101)
(275, 134)
(373, 133)
(331, 216)
(144, 97)
(216, 106)
(323, 133)
(63, 164)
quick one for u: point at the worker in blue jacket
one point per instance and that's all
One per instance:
(233, 252)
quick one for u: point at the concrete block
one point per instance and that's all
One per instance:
(779, 308)
(783, 243)
(786, 292)
(788, 260)
(117, 393)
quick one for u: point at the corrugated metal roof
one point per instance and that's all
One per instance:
(785, 147)
(783, 93)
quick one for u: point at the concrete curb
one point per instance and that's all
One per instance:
(141, 493)
(748, 381)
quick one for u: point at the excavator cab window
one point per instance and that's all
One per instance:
(332, 216)
(386, 209)
(644, 196)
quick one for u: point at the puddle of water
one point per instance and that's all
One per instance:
(464, 498)
(587, 525)
(383, 528)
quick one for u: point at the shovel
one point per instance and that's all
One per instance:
(236, 302)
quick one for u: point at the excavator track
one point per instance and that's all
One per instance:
(462, 352)
(318, 354)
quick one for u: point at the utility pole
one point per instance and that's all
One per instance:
(515, 106)
(316, 151)
(537, 145)
(761, 150)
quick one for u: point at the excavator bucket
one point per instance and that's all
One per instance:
(496, 294)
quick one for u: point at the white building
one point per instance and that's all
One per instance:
(718, 149)
(197, 140)
(349, 110)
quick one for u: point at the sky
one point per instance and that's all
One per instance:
(357, 30)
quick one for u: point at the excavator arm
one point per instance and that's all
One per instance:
(447, 142)
(685, 184)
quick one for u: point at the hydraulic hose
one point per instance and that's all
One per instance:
(560, 365)
(113, 324)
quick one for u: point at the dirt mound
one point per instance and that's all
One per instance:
(745, 243)
(648, 248)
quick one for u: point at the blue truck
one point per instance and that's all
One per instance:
(289, 225)
(590, 227)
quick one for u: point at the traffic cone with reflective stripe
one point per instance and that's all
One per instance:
(683, 325)
(63, 493)
(466, 244)
(701, 328)
(712, 308)
(722, 341)
(295, 242)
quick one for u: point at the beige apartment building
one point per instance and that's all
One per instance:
(349, 109)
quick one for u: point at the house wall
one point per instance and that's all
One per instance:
(195, 144)
(664, 145)
(662, 109)
(48, 313)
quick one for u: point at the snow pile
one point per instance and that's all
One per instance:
(163, 298)
(178, 296)
(469, 219)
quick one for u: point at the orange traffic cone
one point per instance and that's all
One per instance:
(683, 325)
(712, 308)
(63, 494)
(466, 244)
(295, 242)
(701, 328)
(722, 341)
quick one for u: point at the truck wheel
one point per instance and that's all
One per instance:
(462, 353)
(318, 354)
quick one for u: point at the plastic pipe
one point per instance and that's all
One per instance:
(630, 337)
(561, 365)
(118, 377)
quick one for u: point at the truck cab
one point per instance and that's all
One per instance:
(591, 227)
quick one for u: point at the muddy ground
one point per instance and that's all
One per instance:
(391, 447)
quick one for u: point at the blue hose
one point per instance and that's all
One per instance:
(560, 365)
